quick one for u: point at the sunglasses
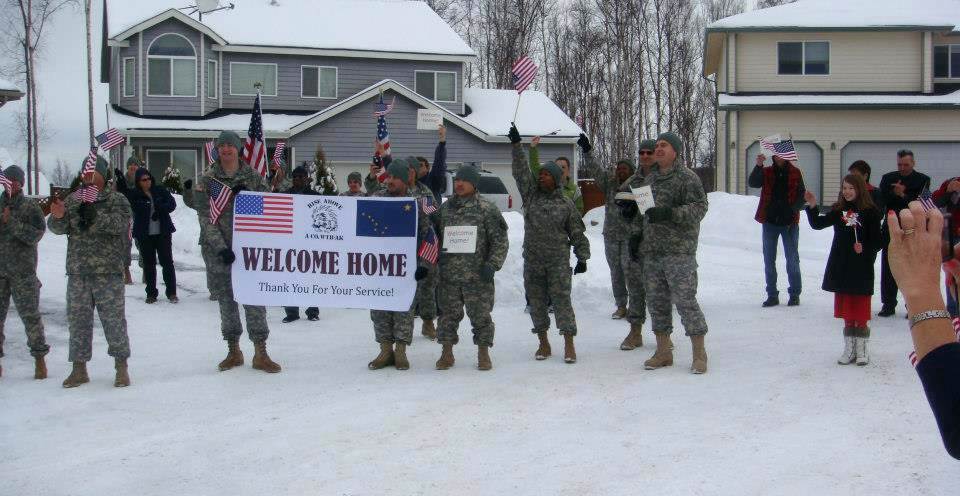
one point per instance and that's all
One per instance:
(645, 152)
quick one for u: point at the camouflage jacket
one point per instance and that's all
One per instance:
(552, 223)
(681, 190)
(614, 225)
(423, 224)
(219, 236)
(348, 193)
(19, 235)
(101, 248)
(492, 242)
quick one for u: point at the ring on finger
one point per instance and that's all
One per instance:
(907, 232)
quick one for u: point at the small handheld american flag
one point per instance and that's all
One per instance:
(90, 164)
(212, 154)
(278, 153)
(926, 200)
(5, 181)
(384, 109)
(782, 148)
(426, 204)
(219, 195)
(87, 193)
(523, 73)
(430, 248)
(110, 139)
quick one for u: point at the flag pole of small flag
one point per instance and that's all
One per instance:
(782, 148)
(255, 149)
(110, 139)
(523, 73)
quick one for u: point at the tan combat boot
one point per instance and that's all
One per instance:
(663, 357)
(234, 356)
(619, 314)
(446, 357)
(385, 357)
(123, 378)
(633, 340)
(699, 355)
(78, 376)
(483, 358)
(39, 368)
(543, 352)
(261, 360)
(400, 357)
(428, 330)
(569, 352)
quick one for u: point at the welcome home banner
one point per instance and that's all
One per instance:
(324, 251)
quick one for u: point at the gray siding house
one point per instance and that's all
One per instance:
(176, 82)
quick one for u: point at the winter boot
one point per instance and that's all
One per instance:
(234, 356)
(634, 339)
(793, 301)
(771, 301)
(385, 357)
(78, 376)
(39, 368)
(123, 378)
(619, 314)
(543, 352)
(699, 355)
(261, 360)
(400, 357)
(428, 330)
(849, 347)
(663, 357)
(483, 358)
(569, 352)
(446, 357)
(863, 356)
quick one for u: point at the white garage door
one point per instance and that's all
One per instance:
(940, 161)
(810, 163)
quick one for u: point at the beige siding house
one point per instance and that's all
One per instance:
(847, 80)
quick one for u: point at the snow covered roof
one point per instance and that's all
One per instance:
(832, 14)
(274, 125)
(8, 86)
(410, 26)
(950, 100)
(492, 111)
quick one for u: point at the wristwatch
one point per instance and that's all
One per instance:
(927, 315)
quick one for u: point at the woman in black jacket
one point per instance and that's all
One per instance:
(153, 230)
(849, 273)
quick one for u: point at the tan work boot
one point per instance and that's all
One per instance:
(400, 357)
(543, 352)
(633, 340)
(384, 359)
(483, 358)
(569, 352)
(699, 355)
(78, 376)
(446, 357)
(663, 357)
(123, 378)
(234, 356)
(261, 360)
(428, 330)
(39, 368)
(619, 314)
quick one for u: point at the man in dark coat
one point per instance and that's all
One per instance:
(153, 229)
(301, 186)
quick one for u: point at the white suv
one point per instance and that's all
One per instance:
(491, 187)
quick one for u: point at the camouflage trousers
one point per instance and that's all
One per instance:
(546, 284)
(25, 291)
(618, 259)
(477, 297)
(672, 279)
(221, 287)
(208, 259)
(426, 300)
(637, 309)
(393, 327)
(105, 292)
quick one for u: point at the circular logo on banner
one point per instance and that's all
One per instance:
(325, 218)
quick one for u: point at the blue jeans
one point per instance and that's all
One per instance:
(791, 239)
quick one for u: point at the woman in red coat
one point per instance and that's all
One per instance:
(849, 273)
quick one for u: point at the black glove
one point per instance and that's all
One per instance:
(628, 209)
(580, 268)
(514, 135)
(659, 214)
(635, 247)
(238, 188)
(420, 274)
(155, 216)
(88, 214)
(584, 143)
(226, 256)
(486, 273)
(188, 184)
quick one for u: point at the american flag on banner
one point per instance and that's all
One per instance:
(219, 195)
(87, 193)
(255, 149)
(430, 248)
(523, 73)
(782, 148)
(90, 164)
(278, 153)
(267, 213)
(427, 205)
(110, 139)
(212, 154)
(5, 181)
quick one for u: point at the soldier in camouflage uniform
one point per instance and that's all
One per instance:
(552, 224)
(354, 185)
(669, 249)
(21, 227)
(190, 199)
(426, 300)
(394, 330)
(217, 239)
(97, 235)
(466, 279)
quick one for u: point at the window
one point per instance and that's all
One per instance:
(946, 61)
(803, 58)
(171, 67)
(244, 75)
(437, 86)
(184, 160)
(129, 76)
(213, 77)
(318, 82)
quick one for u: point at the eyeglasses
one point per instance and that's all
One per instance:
(646, 152)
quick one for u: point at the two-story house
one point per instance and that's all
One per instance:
(848, 80)
(177, 80)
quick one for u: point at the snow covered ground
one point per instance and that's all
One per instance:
(774, 415)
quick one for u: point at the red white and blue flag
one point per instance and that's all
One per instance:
(5, 181)
(87, 193)
(427, 205)
(384, 109)
(268, 213)
(219, 195)
(110, 139)
(212, 154)
(383, 137)
(278, 153)
(90, 164)
(523, 73)
(781, 148)
(926, 200)
(430, 247)
(255, 149)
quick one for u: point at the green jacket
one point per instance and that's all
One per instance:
(570, 188)
(218, 236)
(615, 227)
(681, 190)
(19, 235)
(492, 242)
(102, 247)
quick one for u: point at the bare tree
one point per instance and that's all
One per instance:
(762, 4)
(62, 174)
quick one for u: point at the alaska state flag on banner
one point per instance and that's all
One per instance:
(386, 219)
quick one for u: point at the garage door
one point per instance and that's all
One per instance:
(810, 163)
(940, 161)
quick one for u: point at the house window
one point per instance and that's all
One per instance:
(244, 75)
(129, 76)
(437, 86)
(171, 67)
(803, 57)
(318, 82)
(213, 77)
(946, 61)
(184, 160)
